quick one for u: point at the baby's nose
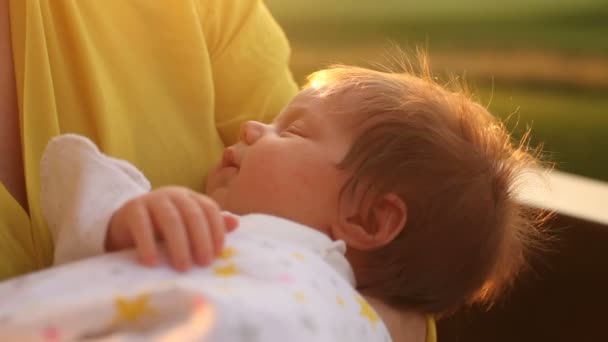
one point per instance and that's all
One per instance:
(251, 131)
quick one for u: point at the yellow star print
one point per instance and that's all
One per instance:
(367, 311)
(299, 297)
(131, 310)
(340, 300)
(224, 288)
(297, 255)
(227, 253)
(226, 271)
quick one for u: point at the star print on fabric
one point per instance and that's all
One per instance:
(333, 281)
(297, 255)
(248, 332)
(367, 312)
(286, 263)
(308, 322)
(286, 278)
(132, 310)
(340, 300)
(300, 297)
(227, 253)
(226, 271)
(116, 271)
(267, 244)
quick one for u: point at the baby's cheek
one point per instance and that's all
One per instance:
(220, 196)
(257, 189)
(306, 178)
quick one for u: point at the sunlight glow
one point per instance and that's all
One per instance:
(319, 80)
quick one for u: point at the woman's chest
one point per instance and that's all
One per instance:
(11, 171)
(147, 98)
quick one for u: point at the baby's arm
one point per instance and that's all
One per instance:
(80, 190)
(93, 203)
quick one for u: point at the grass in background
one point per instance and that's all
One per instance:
(545, 61)
(571, 125)
(578, 26)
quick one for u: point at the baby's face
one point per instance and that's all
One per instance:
(287, 168)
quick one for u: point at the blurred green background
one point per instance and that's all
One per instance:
(543, 64)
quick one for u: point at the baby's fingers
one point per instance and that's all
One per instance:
(217, 228)
(230, 221)
(142, 233)
(197, 227)
(168, 221)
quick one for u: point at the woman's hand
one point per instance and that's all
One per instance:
(191, 225)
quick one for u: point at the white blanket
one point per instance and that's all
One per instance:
(263, 288)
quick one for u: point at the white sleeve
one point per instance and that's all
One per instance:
(81, 188)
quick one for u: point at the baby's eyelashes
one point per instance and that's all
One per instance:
(294, 128)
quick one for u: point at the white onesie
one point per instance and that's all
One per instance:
(276, 280)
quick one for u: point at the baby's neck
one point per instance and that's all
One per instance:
(404, 326)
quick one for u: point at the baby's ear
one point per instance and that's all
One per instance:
(388, 217)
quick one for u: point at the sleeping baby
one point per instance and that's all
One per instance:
(369, 189)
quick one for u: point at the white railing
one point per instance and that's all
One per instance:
(567, 194)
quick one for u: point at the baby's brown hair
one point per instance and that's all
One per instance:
(456, 168)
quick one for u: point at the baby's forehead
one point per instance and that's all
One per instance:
(314, 102)
(348, 106)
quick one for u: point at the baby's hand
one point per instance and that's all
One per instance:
(191, 225)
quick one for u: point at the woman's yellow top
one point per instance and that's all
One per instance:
(162, 84)
(431, 329)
